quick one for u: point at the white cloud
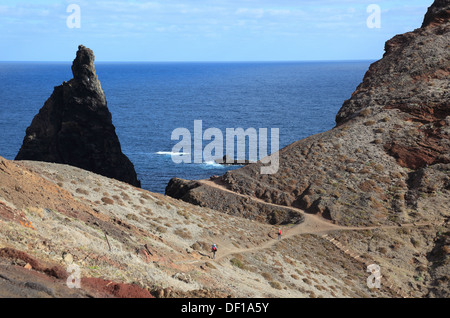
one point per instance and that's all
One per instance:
(252, 13)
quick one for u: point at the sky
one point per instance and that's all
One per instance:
(204, 30)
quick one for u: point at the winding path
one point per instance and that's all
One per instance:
(315, 224)
(312, 224)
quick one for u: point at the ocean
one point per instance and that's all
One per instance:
(148, 101)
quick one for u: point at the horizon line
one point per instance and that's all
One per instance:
(194, 61)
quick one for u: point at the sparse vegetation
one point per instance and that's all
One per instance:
(237, 262)
(275, 285)
(107, 200)
(132, 217)
(370, 123)
(208, 264)
(161, 229)
(365, 112)
(183, 233)
(267, 276)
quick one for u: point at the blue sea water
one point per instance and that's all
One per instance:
(149, 100)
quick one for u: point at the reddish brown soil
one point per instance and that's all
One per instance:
(53, 277)
(54, 271)
(111, 289)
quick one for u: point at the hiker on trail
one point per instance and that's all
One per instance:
(279, 233)
(214, 250)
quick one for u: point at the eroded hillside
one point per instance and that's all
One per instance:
(130, 242)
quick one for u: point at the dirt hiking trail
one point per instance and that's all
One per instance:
(312, 224)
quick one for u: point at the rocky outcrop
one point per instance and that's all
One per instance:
(229, 203)
(412, 77)
(437, 14)
(387, 160)
(75, 127)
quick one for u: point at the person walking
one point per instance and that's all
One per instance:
(279, 233)
(214, 250)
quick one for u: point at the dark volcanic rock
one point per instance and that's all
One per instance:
(437, 13)
(227, 160)
(196, 193)
(74, 127)
(181, 189)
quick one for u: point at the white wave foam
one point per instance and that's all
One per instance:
(169, 153)
(213, 164)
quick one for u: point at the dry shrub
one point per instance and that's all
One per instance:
(365, 112)
(183, 233)
(370, 123)
(125, 196)
(38, 211)
(275, 285)
(132, 217)
(267, 276)
(382, 250)
(237, 262)
(161, 229)
(107, 200)
(350, 169)
(208, 264)
(145, 196)
(364, 170)
(199, 245)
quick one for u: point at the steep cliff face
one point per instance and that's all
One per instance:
(388, 158)
(412, 77)
(75, 127)
(437, 13)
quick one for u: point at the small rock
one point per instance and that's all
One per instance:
(159, 293)
(167, 292)
(28, 266)
(68, 258)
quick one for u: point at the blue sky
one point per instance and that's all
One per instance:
(204, 30)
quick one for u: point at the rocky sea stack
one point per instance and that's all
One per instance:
(75, 127)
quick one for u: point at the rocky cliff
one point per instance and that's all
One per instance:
(388, 158)
(75, 127)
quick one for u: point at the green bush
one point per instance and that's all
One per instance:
(237, 262)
